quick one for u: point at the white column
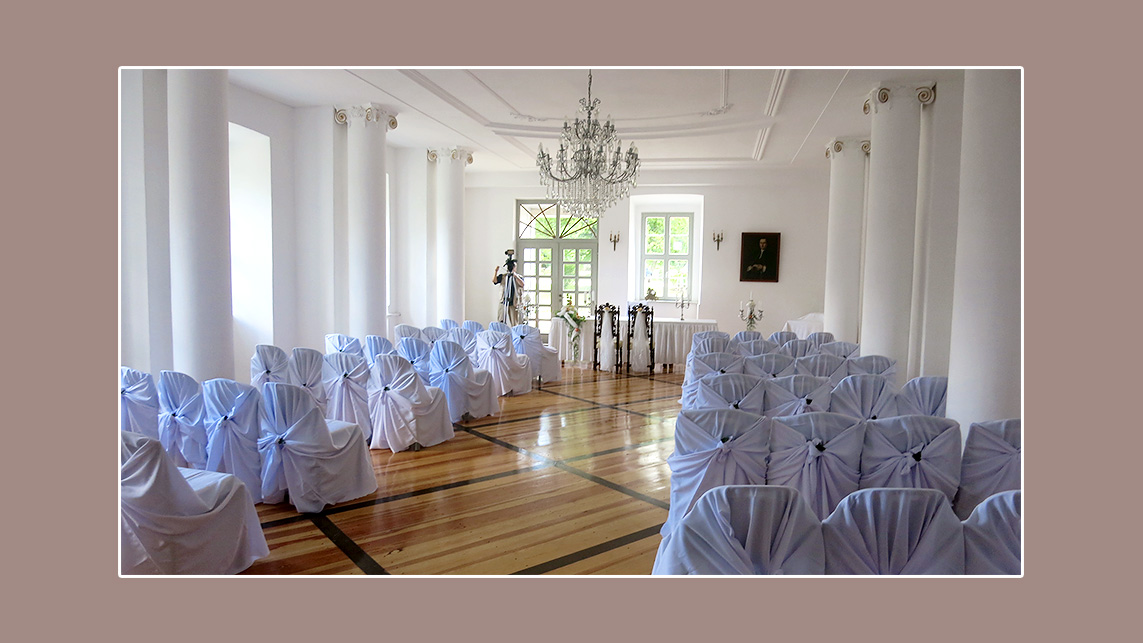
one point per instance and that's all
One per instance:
(450, 231)
(843, 241)
(891, 219)
(202, 322)
(984, 361)
(368, 125)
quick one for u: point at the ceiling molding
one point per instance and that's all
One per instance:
(776, 89)
(444, 95)
(760, 143)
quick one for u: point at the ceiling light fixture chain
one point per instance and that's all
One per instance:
(590, 173)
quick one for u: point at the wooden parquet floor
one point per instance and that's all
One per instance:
(571, 478)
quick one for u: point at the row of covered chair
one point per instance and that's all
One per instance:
(229, 427)
(867, 397)
(827, 456)
(544, 362)
(835, 367)
(749, 342)
(770, 530)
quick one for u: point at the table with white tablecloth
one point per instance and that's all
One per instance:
(672, 339)
(806, 324)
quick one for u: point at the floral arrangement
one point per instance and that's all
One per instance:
(651, 295)
(574, 321)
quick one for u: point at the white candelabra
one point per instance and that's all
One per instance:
(748, 313)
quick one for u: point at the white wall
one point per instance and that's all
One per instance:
(792, 202)
(252, 264)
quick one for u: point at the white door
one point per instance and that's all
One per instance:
(557, 258)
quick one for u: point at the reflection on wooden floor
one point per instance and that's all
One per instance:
(568, 479)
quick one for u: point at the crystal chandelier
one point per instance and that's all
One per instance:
(591, 171)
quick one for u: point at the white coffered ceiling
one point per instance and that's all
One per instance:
(678, 118)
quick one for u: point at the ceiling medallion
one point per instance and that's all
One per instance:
(591, 172)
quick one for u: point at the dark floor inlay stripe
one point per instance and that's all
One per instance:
(611, 485)
(650, 399)
(583, 554)
(525, 419)
(351, 549)
(626, 447)
(600, 404)
(508, 445)
(401, 496)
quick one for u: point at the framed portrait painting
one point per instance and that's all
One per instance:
(761, 253)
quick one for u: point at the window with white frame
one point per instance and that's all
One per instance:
(667, 257)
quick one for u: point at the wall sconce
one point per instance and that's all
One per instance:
(717, 240)
(614, 238)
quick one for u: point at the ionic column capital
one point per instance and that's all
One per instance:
(369, 115)
(883, 96)
(840, 145)
(442, 154)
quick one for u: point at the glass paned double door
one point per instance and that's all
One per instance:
(555, 270)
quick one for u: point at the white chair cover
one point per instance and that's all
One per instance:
(401, 331)
(449, 324)
(698, 336)
(991, 464)
(346, 379)
(841, 349)
(794, 394)
(138, 403)
(714, 447)
(817, 339)
(818, 365)
(639, 356)
(780, 337)
(912, 451)
(432, 333)
(467, 340)
(180, 419)
(747, 336)
(716, 344)
(473, 327)
(545, 360)
(404, 411)
(606, 345)
(893, 531)
(170, 525)
(754, 347)
(511, 373)
(416, 350)
(868, 397)
(751, 530)
(319, 463)
(819, 454)
(731, 391)
(499, 327)
(305, 371)
(875, 365)
(923, 396)
(703, 366)
(469, 391)
(768, 365)
(339, 343)
(796, 348)
(269, 364)
(233, 423)
(992, 536)
(377, 345)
